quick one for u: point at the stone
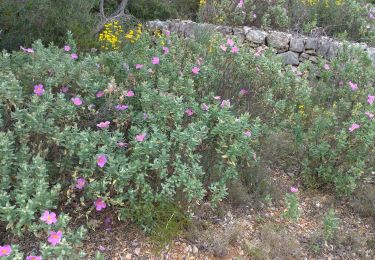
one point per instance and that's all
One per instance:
(297, 44)
(311, 52)
(313, 59)
(289, 58)
(239, 33)
(278, 40)
(323, 47)
(255, 36)
(371, 52)
(128, 256)
(311, 43)
(333, 50)
(304, 56)
(195, 250)
(226, 30)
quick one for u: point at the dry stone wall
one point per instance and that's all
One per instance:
(293, 49)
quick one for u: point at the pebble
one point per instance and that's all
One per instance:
(128, 256)
(137, 251)
(195, 250)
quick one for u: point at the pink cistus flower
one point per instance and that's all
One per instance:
(326, 66)
(254, 15)
(100, 204)
(55, 237)
(293, 189)
(76, 101)
(67, 48)
(121, 144)
(240, 4)
(80, 183)
(354, 127)
(140, 137)
(223, 47)
(99, 94)
(195, 70)
(129, 93)
(34, 257)
(205, 107)
(49, 217)
(5, 250)
(165, 50)
(103, 125)
(138, 66)
(121, 107)
(39, 89)
(243, 92)
(101, 160)
(370, 99)
(155, 60)
(234, 50)
(167, 33)
(230, 42)
(225, 103)
(64, 89)
(247, 133)
(74, 56)
(189, 112)
(369, 114)
(27, 50)
(353, 86)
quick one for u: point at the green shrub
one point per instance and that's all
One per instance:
(23, 22)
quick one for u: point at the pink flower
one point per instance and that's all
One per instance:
(138, 66)
(155, 60)
(122, 144)
(28, 50)
(225, 103)
(234, 49)
(167, 33)
(76, 101)
(353, 86)
(74, 56)
(140, 137)
(99, 204)
(369, 114)
(33, 257)
(195, 70)
(223, 47)
(254, 15)
(80, 183)
(5, 250)
(189, 112)
(129, 93)
(165, 50)
(67, 48)
(230, 42)
(64, 89)
(217, 97)
(54, 237)
(39, 89)
(326, 66)
(121, 107)
(49, 217)
(205, 107)
(370, 99)
(103, 125)
(354, 127)
(99, 94)
(293, 189)
(101, 160)
(247, 133)
(240, 4)
(243, 92)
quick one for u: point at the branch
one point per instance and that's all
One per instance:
(120, 11)
(101, 9)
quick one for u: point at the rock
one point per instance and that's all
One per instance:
(313, 59)
(297, 44)
(255, 36)
(310, 52)
(323, 47)
(311, 43)
(333, 50)
(128, 256)
(371, 52)
(239, 33)
(304, 56)
(226, 30)
(195, 250)
(289, 58)
(278, 40)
